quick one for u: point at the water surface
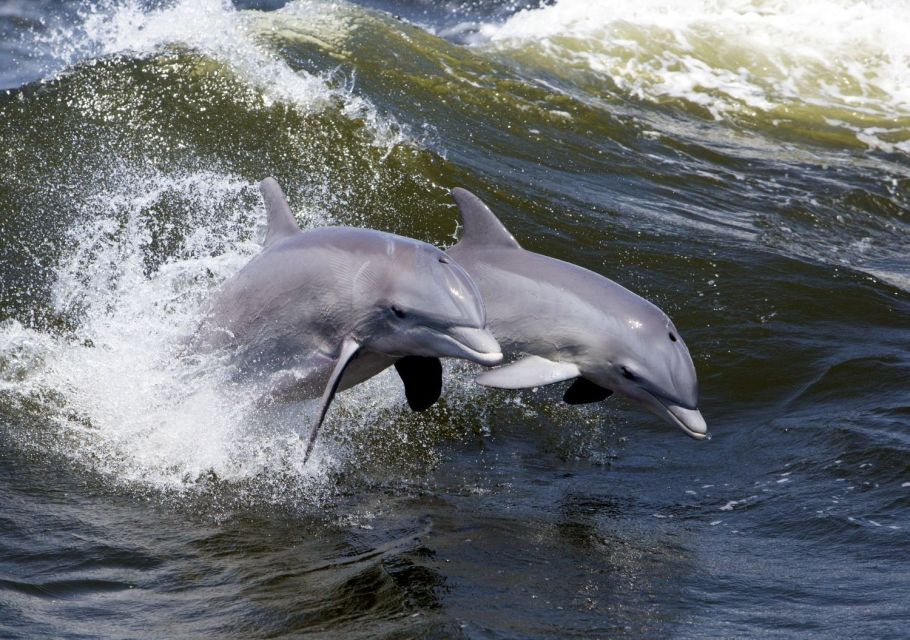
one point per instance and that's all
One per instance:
(743, 164)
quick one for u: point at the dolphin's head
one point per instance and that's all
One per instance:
(423, 303)
(648, 362)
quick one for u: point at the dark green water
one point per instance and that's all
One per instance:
(744, 167)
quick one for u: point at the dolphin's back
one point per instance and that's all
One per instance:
(296, 296)
(527, 295)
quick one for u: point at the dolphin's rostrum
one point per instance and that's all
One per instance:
(564, 322)
(325, 309)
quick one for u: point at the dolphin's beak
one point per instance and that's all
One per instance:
(689, 420)
(476, 345)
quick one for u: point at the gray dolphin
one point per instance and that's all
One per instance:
(326, 309)
(568, 323)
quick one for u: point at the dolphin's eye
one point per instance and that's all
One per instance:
(672, 337)
(444, 260)
(398, 311)
(628, 375)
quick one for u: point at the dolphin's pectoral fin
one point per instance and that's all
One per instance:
(532, 371)
(422, 378)
(583, 391)
(349, 349)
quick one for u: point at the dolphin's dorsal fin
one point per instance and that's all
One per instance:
(281, 222)
(481, 227)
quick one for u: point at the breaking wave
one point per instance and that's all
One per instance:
(235, 38)
(832, 64)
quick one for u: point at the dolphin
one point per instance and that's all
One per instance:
(325, 309)
(563, 322)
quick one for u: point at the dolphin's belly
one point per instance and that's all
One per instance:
(276, 353)
(306, 376)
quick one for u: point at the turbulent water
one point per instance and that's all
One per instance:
(745, 164)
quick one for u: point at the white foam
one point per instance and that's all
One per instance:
(735, 503)
(733, 56)
(212, 27)
(235, 38)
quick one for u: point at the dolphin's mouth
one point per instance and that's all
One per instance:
(476, 345)
(689, 420)
(487, 359)
(469, 343)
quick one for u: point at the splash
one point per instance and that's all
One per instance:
(116, 390)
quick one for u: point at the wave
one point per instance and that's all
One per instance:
(831, 64)
(135, 179)
(238, 39)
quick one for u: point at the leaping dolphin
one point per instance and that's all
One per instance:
(326, 309)
(568, 323)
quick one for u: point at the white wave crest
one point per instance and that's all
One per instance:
(730, 56)
(238, 39)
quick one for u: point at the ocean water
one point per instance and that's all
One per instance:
(745, 164)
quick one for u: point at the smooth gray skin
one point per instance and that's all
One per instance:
(566, 322)
(318, 311)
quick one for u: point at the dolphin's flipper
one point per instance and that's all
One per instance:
(481, 227)
(281, 222)
(422, 379)
(532, 371)
(583, 391)
(349, 349)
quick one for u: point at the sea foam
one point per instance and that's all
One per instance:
(838, 62)
(238, 39)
